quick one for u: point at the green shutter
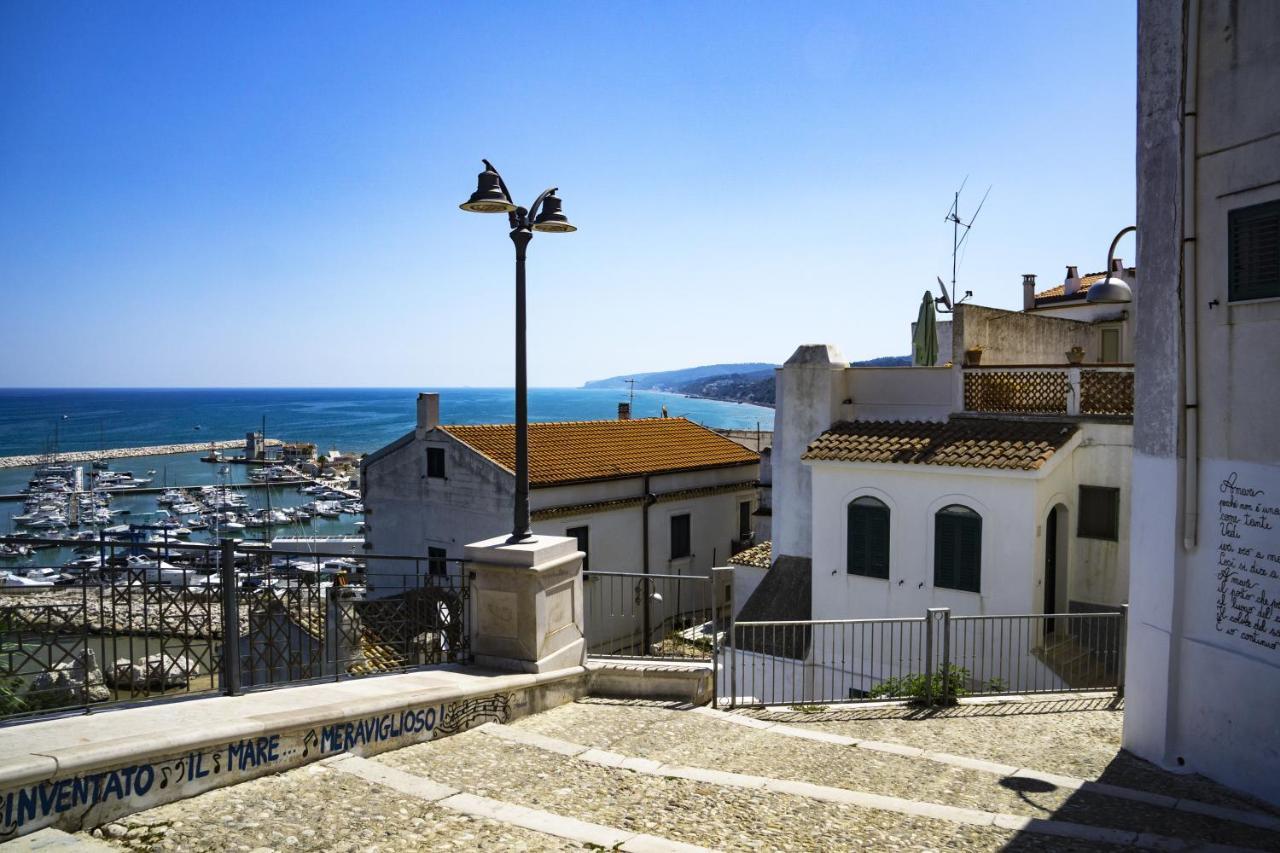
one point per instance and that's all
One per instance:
(944, 550)
(868, 547)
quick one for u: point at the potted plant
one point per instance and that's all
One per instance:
(973, 355)
(1075, 355)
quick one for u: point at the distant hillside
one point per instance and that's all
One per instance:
(669, 380)
(739, 383)
(884, 361)
(739, 387)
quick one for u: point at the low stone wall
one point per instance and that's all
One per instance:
(100, 780)
(127, 452)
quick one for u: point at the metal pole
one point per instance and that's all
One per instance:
(520, 532)
(230, 618)
(733, 652)
(1123, 641)
(928, 657)
(946, 655)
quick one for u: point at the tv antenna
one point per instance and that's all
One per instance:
(959, 233)
(632, 399)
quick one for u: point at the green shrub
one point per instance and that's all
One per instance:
(916, 687)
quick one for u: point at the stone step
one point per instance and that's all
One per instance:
(316, 808)
(701, 807)
(665, 736)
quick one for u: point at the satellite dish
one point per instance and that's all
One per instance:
(946, 298)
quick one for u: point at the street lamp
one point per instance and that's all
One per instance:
(1111, 289)
(491, 196)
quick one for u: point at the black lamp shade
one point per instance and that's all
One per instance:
(551, 219)
(488, 197)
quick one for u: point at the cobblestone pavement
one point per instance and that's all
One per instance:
(693, 812)
(694, 740)
(1072, 736)
(314, 809)
(323, 808)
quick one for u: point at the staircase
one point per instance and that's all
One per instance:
(644, 776)
(1078, 665)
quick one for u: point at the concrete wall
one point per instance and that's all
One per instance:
(1014, 337)
(1094, 571)
(1204, 651)
(1099, 315)
(899, 393)
(810, 393)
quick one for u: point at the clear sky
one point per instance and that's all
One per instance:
(266, 194)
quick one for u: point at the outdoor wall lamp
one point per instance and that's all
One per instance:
(492, 196)
(1111, 289)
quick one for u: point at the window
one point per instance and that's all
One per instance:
(580, 533)
(867, 553)
(1099, 516)
(437, 562)
(435, 462)
(680, 546)
(1253, 252)
(1110, 346)
(744, 520)
(957, 548)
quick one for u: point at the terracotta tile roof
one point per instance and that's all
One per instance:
(579, 451)
(760, 556)
(1086, 281)
(963, 442)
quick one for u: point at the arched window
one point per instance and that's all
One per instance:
(868, 548)
(957, 548)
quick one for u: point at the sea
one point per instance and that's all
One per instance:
(37, 421)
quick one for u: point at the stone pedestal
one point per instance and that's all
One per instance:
(526, 604)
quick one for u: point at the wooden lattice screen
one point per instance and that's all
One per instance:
(1106, 392)
(1040, 391)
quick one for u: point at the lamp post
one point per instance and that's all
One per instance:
(491, 196)
(1112, 289)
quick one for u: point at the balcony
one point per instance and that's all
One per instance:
(1072, 390)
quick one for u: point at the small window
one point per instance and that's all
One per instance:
(581, 534)
(867, 553)
(435, 462)
(1099, 515)
(1253, 252)
(744, 520)
(957, 549)
(680, 546)
(437, 562)
(1109, 351)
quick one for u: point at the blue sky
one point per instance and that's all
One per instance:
(266, 194)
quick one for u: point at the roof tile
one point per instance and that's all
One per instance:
(578, 451)
(962, 442)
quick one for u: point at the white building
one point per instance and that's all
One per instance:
(1204, 636)
(662, 496)
(992, 488)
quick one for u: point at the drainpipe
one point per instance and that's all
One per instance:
(1191, 393)
(649, 500)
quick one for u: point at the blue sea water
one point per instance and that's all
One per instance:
(350, 419)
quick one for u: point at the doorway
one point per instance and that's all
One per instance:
(1055, 564)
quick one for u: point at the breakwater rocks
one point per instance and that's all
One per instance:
(126, 452)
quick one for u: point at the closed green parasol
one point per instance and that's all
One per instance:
(925, 342)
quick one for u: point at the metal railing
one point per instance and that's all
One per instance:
(136, 621)
(668, 617)
(931, 659)
(1096, 390)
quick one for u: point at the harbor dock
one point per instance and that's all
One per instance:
(72, 457)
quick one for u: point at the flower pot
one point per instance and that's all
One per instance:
(1075, 355)
(972, 356)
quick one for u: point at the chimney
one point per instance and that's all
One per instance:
(1071, 283)
(1028, 291)
(624, 411)
(1117, 268)
(428, 413)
